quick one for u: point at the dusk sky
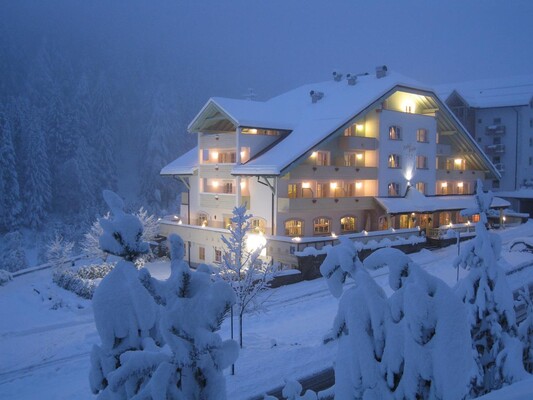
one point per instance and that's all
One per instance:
(275, 45)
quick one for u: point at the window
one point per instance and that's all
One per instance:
(354, 159)
(530, 160)
(462, 188)
(394, 161)
(201, 253)
(292, 190)
(395, 133)
(497, 121)
(320, 157)
(218, 256)
(227, 157)
(496, 159)
(349, 189)
(421, 162)
(258, 225)
(496, 184)
(293, 227)
(458, 164)
(347, 224)
(422, 135)
(202, 219)
(497, 140)
(421, 187)
(394, 189)
(531, 122)
(321, 226)
(530, 142)
(321, 190)
(228, 187)
(444, 188)
(479, 121)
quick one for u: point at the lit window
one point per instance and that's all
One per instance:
(202, 219)
(394, 161)
(292, 190)
(444, 188)
(228, 187)
(293, 227)
(422, 135)
(347, 224)
(321, 158)
(321, 226)
(354, 159)
(395, 133)
(394, 189)
(421, 162)
(421, 187)
(258, 225)
(321, 190)
(462, 188)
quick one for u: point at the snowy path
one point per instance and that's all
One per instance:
(47, 351)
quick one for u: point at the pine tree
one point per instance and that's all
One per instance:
(12, 257)
(37, 185)
(489, 301)
(525, 329)
(10, 204)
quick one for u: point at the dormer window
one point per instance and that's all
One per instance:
(395, 132)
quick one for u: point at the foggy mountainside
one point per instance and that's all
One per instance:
(98, 95)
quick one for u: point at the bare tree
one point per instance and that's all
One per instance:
(241, 266)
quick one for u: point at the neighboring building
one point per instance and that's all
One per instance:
(323, 160)
(499, 115)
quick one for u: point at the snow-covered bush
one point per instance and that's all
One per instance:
(241, 266)
(59, 251)
(5, 277)
(122, 233)
(168, 348)
(489, 301)
(13, 258)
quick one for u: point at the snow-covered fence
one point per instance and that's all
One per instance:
(43, 266)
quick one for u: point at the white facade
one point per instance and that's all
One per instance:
(314, 166)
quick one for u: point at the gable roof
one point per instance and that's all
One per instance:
(310, 124)
(488, 93)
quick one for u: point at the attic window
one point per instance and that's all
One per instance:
(256, 131)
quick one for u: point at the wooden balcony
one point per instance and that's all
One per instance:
(333, 172)
(325, 203)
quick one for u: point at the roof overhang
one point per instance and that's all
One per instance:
(213, 117)
(185, 165)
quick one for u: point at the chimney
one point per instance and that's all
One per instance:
(337, 76)
(381, 71)
(352, 79)
(315, 96)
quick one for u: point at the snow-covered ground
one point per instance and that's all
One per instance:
(46, 333)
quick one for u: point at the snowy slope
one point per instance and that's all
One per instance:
(45, 351)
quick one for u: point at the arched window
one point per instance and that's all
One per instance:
(203, 218)
(321, 225)
(348, 224)
(294, 227)
(258, 225)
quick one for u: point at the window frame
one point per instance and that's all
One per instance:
(422, 133)
(354, 224)
(396, 187)
(395, 132)
(300, 227)
(394, 161)
(324, 227)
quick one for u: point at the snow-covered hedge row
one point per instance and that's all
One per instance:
(84, 280)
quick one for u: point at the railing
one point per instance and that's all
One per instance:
(442, 231)
(495, 148)
(495, 130)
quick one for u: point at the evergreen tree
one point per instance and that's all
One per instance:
(10, 204)
(12, 257)
(490, 305)
(37, 185)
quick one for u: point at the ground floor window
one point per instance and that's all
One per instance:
(202, 219)
(293, 227)
(201, 253)
(348, 224)
(218, 256)
(321, 226)
(258, 225)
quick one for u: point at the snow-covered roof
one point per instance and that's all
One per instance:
(414, 201)
(524, 193)
(186, 164)
(486, 93)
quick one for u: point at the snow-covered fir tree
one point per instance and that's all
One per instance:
(359, 325)
(525, 329)
(489, 301)
(59, 252)
(10, 204)
(180, 356)
(241, 266)
(122, 232)
(12, 255)
(427, 352)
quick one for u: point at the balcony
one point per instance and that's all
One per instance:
(495, 149)
(358, 143)
(333, 172)
(500, 167)
(495, 130)
(444, 150)
(325, 204)
(459, 175)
